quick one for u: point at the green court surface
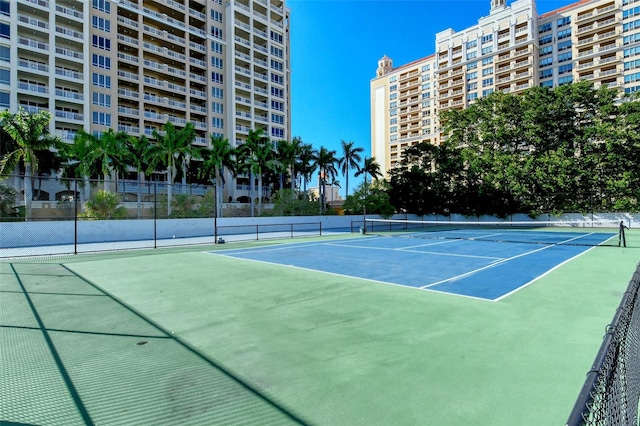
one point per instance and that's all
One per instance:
(179, 336)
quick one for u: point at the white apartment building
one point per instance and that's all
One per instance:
(133, 65)
(510, 50)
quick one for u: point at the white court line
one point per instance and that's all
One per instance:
(274, 247)
(540, 276)
(415, 251)
(500, 262)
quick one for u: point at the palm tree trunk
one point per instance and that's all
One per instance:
(251, 185)
(28, 191)
(293, 177)
(260, 193)
(169, 187)
(140, 180)
(346, 185)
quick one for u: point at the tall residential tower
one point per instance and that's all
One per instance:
(133, 65)
(510, 50)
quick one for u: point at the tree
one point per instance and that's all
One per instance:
(171, 147)
(30, 132)
(373, 196)
(216, 159)
(107, 153)
(306, 164)
(135, 156)
(326, 162)
(104, 205)
(371, 168)
(350, 160)
(256, 156)
(287, 153)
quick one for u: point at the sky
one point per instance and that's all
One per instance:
(335, 48)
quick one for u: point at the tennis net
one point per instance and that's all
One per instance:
(601, 233)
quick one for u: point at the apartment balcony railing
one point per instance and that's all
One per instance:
(33, 65)
(69, 115)
(69, 11)
(69, 32)
(68, 94)
(34, 22)
(33, 88)
(69, 53)
(33, 44)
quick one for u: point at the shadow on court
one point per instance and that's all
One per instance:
(73, 354)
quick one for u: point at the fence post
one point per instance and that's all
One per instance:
(75, 216)
(155, 215)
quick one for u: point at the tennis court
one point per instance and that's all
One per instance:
(485, 263)
(233, 334)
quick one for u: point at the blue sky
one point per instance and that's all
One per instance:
(335, 47)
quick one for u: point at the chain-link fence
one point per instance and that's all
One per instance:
(612, 389)
(80, 215)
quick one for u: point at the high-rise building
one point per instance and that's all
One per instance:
(133, 65)
(510, 50)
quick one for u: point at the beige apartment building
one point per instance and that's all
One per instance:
(510, 50)
(133, 65)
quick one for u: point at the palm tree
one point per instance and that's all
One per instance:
(107, 152)
(256, 156)
(334, 184)
(287, 154)
(326, 162)
(78, 163)
(30, 132)
(371, 168)
(136, 154)
(171, 145)
(306, 164)
(216, 159)
(350, 160)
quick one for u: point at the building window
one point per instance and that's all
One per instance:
(472, 86)
(277, 105)
(5, 76)
(277, 133)
(471, 44)
(279, 93)
(472, 66)
(471, 55)
(4, 100)
(426, 67)
(564, 57)
(632, 65)
(546, 39)
(216, 47)
(216, 77)
(217, 62)
(216, 16)
(487, 71)
(101, 80)
(634, 38)
(277, 118)
(564, 45)
(393, 121)
(630, 26)
(5, 31)
(217, 107)
(101, 61)
(632, 52)
(472, 75)
(546, 73)
(486, 50)
(546, 50)
(217, 92)
(487, 61)
(276, 51)
(472, 96)
(487, 82)
(487, 38)
(565, 69)
(393, 96)
(564, 21)
(393, 104)
(393, 129)
(217, 33)
(547, 83)
(393, 79)
(487, 92)
(4, 8)
(101, 99)
(276, 78)
(393, 87)
(564, 33)
(546, 62)
(5, 54)
(631, 78)
(276, 65)
(217, 122)
(101, 42)
(631, 12)
(101, 23)
(544, 28)
(277, 37)
(102, 5)
(565, 80)
(102, 118)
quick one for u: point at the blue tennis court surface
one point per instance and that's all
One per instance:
(470, 267)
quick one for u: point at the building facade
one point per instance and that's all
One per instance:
(133, 65)
(510, 50)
